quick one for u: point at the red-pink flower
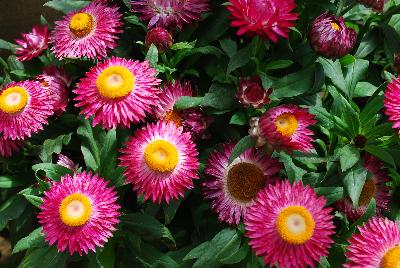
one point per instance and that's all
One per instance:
(251, 92)
(160, 37)
(289, 225)
(376, 5)
(232, 188)
(392, 102)
(79, 213)
(265, 18)
(161, 161)
(8, 147)
(286, 127)
(32, 44)
(170, 13)
(377, 245)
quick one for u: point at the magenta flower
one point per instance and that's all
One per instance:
(265, 18)
(286, 127)
(161, 161)
(170, 14)
(251, 92)
(330, 37)
(118, 92)
(24, 109)
(289, 225)
(160, 37)
(377, 245)
(32, 44)
(376, 5)
(8, 147)
(90, 32)
(392, 102)
(79, 213)
(232, 188)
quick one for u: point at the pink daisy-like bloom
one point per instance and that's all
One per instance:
(118, 92)
(8, 147)
(24, 109)
(289, 225)
(373, 187)
(56, 82)
(65, 161)
(170, 14)
(32, 44)
(232, 188)
(285, 127)
(392, 102)
(193, 120)
(265, 18)
(161, 161)
(377, 245)
(250, 92)
(89, 32)
(79, 213)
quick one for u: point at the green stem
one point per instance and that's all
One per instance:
(339, 7)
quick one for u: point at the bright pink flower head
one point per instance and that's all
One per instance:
(79, 213)
(192, 120)
(160, 37)
(373, 187)
(90, 32)
(286, 127)
(232, 188)
(24, 109)
(377, 245)
(330, 37)
(56, 82)
(265, 18)
(161, 161)
(170, 14)
(33, 43)
(376, 5)
(251, 92)
(289, 225)
(118, 92)
(8, 147)
(392, 102)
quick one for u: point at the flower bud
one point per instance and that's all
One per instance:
(251, 92)
(160, 37)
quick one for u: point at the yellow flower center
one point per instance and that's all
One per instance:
(295, 225)
(335, 26)
(13, 100)
(174, 117)
(115, 82)
(161, 156)
(244, 180)
(286, 124)
(367, 192)
(81, 24)
(75, 210)
(391, 259)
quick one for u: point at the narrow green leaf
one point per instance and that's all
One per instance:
(152, 55)
(239, 59)
(47, 257)
(186, 102)
(294, 84)
(333, 70)
(381, 154)
(331, 194)
(354, 181)
(245, 143)
(12, 182)
(66, 6)
(239, 118)
(33, 240)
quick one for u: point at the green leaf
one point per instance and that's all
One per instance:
(371, 109)
(364, 89)
(47, 257)
(186, 102)
(220, 97)
(278, 64)
(355, 72)
(368, 44)
(331, 194)
(51, 146)
(182, 45)
(245, 143)
(52, 171)
(239, 59)
(33, 199)
(147, 227)
(66, 6)
(7, 45)
(108, 155)
(91, 138)
(391, 41)
(133, 19)
(170, 210)
(152, 55)
(333, 70)
(239, 118)
(354, 181)
(369, 213)
(11, 209)
(294, 84)
(12, 182)
(293, 172)
(33, 240)
(228, 46)
(381, 154)
(349, 156)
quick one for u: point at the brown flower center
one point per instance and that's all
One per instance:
(174, 117)
(244, 181)
(367, 192)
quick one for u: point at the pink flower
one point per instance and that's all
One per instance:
(265, 18)
(289, 225)
(8, 147)
(251, 92)
(79, 213)
(330, 37)
(66, 162)
(377, 245)
(232, 188)
(161, 161)
(392, 102)
(286, 127)
(24, 109)
(160, 37)
(118, 92)
(90, 32)
(377, 5)
(170, 14)
(32, 44)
